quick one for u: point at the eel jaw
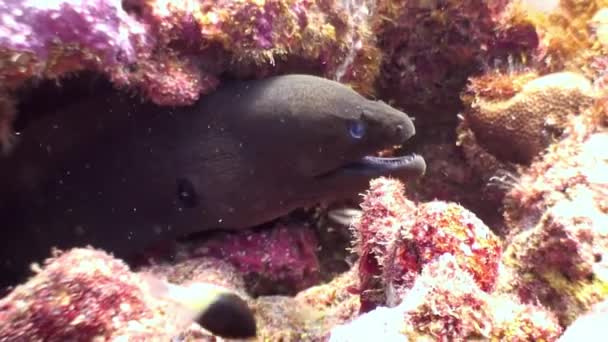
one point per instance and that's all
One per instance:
(411, 166)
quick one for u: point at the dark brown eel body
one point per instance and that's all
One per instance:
(119, 175)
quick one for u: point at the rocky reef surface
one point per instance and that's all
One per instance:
(503, 239)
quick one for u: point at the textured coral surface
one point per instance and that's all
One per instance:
(396, 239)
(510, 119)
(518, 127)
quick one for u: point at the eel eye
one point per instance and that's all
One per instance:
(186, 193)
(356, 129)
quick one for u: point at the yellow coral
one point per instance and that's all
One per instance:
(564, 31)
(583, 293)
(514, 321)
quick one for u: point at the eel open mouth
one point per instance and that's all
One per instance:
(411, 165)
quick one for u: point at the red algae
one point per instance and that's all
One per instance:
(449, 228)
(450, 304)
(396, 239)
(511, 117)
(377, 230)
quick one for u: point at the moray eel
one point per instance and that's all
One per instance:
(119, 174)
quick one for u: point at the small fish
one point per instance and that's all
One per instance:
(215, 308)
(344, 216)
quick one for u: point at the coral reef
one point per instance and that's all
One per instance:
(568, 32)
(376, 232)
(450, 177)
(511, 117)
(431, 48)
(529, 80)
(572, 164)
(173, 51)
(310, 315)
(557, 214)
(85, 294)
(446, 304)
(515, 116)
(396, 238)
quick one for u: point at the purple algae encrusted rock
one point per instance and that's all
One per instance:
(86, 295)
(55, 38)
(50, 38)
(261, 38)
(281, 259)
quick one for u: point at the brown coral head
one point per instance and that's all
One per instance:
(517, 128)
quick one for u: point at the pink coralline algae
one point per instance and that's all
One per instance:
(99, 32)
(172, 52)
(396, 238)
(86, 295)
(52, 38)
(282, 259)
(447, 303)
